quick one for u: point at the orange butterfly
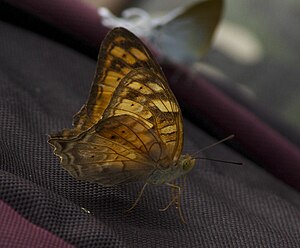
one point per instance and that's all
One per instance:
(131, 127)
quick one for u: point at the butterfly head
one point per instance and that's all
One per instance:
(186, 163)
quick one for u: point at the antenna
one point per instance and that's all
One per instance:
(221, 161)
(214, 144)
(217, 160)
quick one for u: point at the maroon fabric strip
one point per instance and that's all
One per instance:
(71, 16)
(269, 148)
(17, 232)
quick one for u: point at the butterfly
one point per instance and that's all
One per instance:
(131, 127)
(188, 30)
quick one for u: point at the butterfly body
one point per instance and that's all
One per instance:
(182, 167)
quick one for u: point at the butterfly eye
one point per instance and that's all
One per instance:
(185, 165)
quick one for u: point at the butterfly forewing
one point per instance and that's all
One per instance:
(120, 53)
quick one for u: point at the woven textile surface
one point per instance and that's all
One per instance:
(42, 84)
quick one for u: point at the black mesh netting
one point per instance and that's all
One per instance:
(42, 84)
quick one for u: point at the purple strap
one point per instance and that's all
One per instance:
(17, 232)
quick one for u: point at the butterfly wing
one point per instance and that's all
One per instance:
(141, 131)
(106, 156)
(125, 133)
(187, 37)
(120, 52)
(145, 96)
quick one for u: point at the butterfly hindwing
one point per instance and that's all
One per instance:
(148, 98)
(104, 160)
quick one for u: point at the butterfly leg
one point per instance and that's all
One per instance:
(137, 199)
(170, 203)
(175, 199)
